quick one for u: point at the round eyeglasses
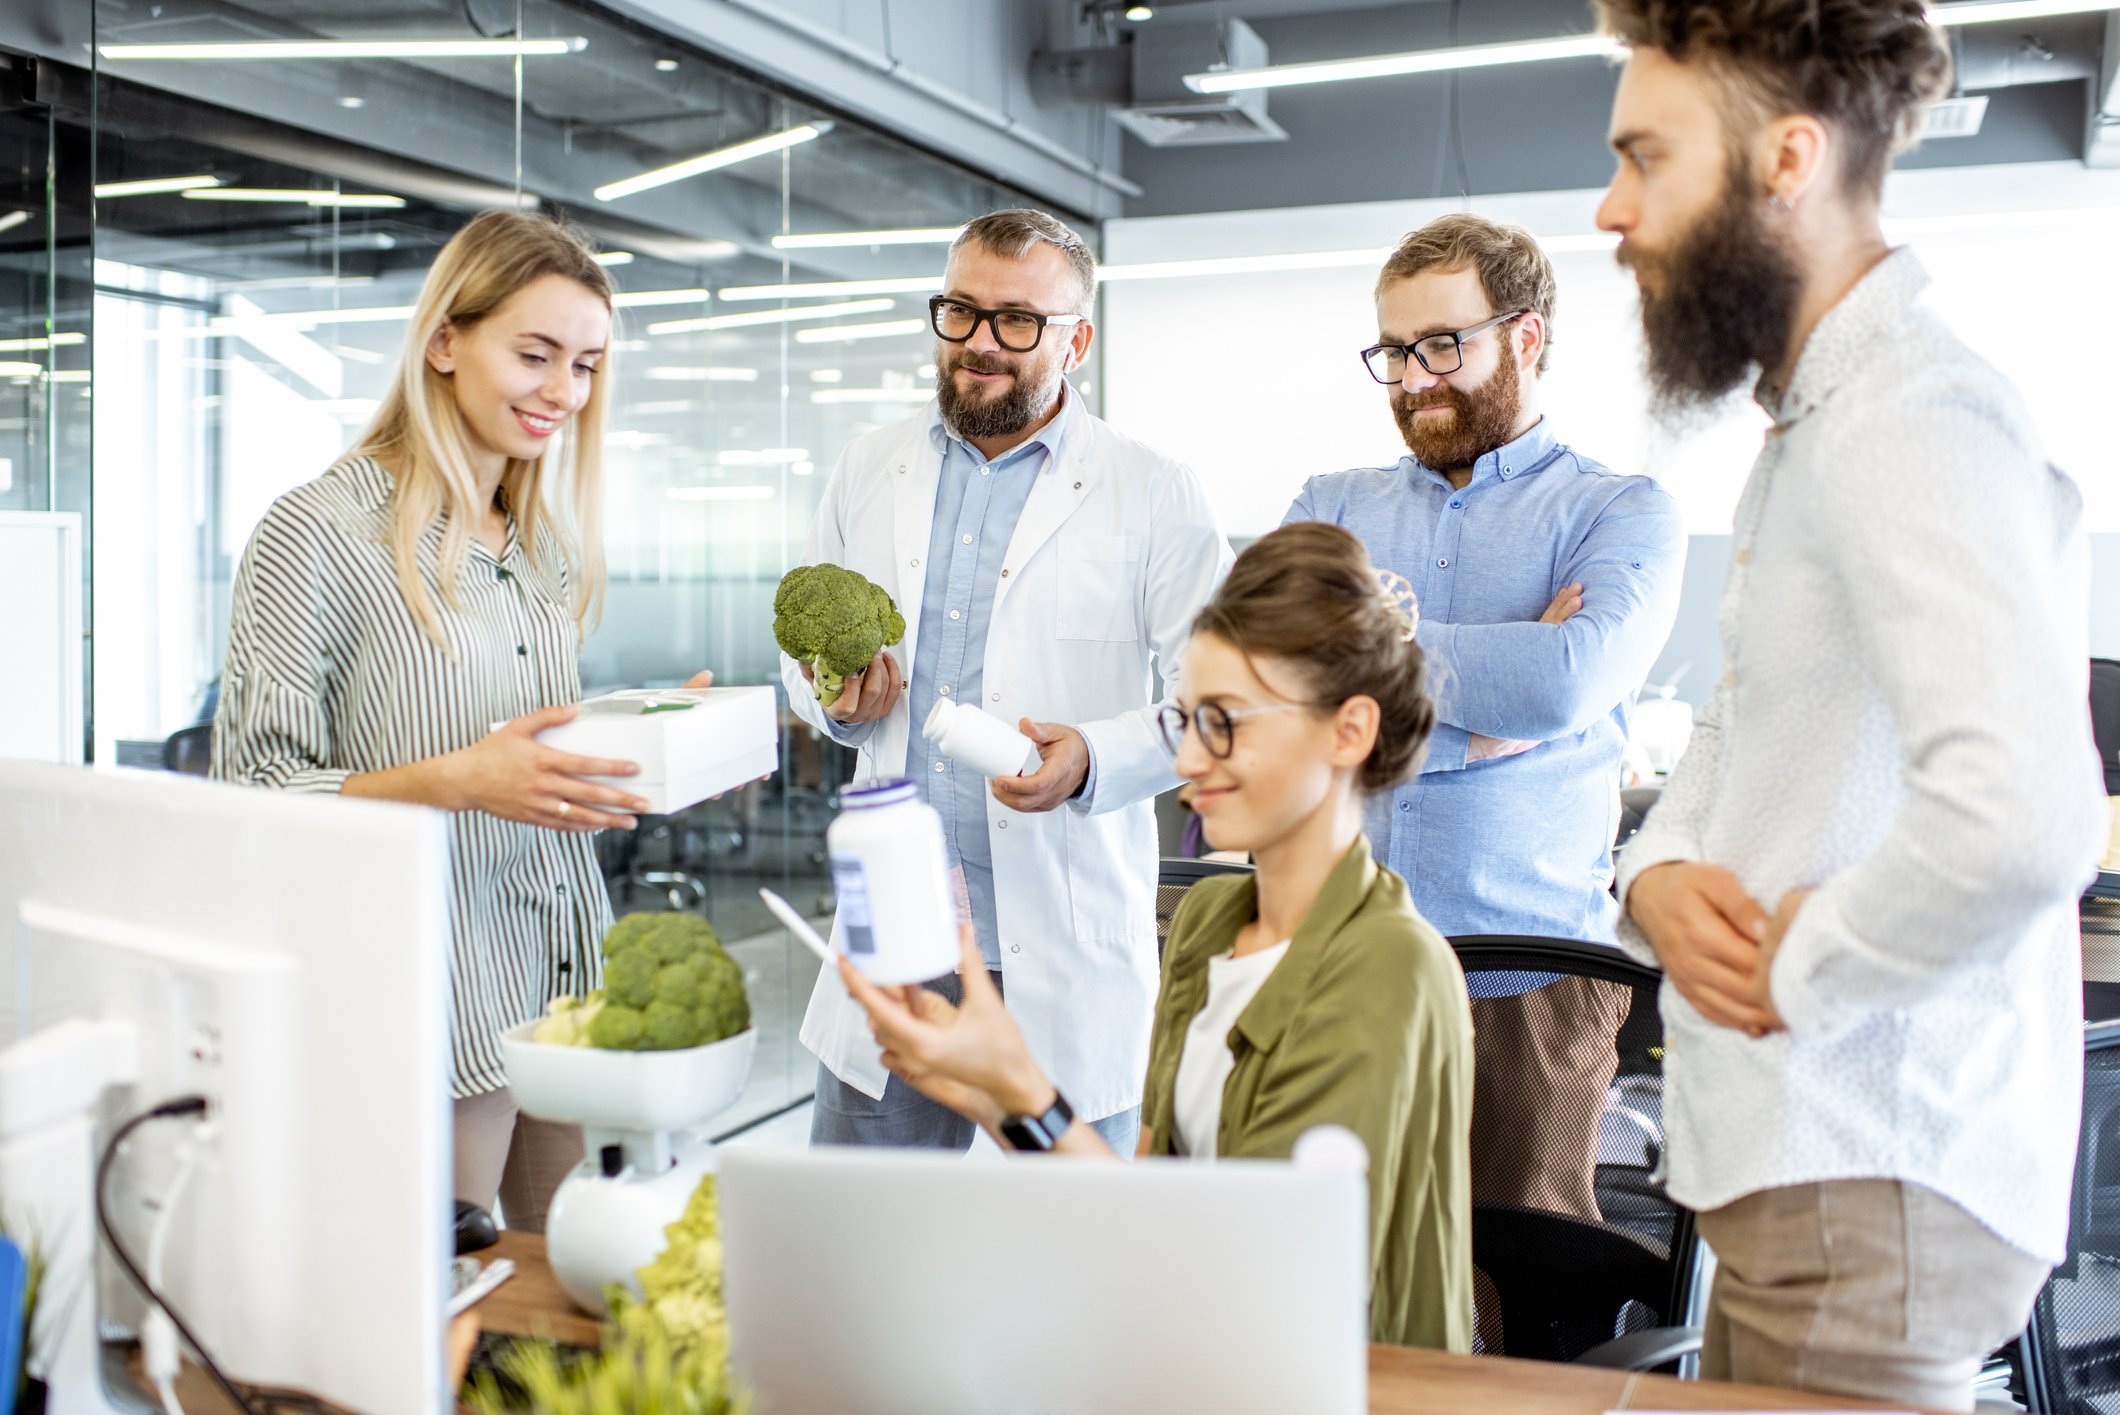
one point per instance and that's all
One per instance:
(1217, 725)
(1438, 353)
(1017, 331)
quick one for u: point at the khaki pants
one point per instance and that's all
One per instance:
(500, 1152)
(1541, 1065)
(1862, 1287)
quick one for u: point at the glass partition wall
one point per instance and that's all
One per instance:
(206, 261)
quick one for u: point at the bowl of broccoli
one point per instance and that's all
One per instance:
(663, 1044)
(835, 620)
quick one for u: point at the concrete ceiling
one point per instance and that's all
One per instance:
(1522, 128)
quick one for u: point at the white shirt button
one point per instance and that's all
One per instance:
(1002, 824)
(955, 615)
(938, 766)
(1015, 948)
(997, 697)
(916, 565)
(967, 540)
(944, 690)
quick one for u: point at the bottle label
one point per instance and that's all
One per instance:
(856, 924)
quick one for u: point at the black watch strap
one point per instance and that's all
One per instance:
(1036, 1134)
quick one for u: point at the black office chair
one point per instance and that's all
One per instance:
(1174, 878)
(2070, 1352)
(189, 750)
(1585, 1255)
(1635, 803)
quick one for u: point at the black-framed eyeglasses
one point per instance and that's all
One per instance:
(1017, 331)
(1217, 725)
(1438, 353)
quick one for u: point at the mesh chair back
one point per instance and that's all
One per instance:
(1175, 879)
(1574, 1238)
(2072, 1347)
(2105, 719)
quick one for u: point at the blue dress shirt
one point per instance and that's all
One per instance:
(1519, 844)
(977, 505)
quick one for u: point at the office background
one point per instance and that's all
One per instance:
(172, 359)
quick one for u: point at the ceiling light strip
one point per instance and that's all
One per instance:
(843, 333)
(710, 161)
(152, 186)
(910, 285)
(350, 49)
(835, 240)
(758, 317)
(1422, 61)
(296, 197)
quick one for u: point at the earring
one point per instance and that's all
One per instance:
(1779, 202)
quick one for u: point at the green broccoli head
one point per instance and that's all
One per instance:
(682, 937)
(836, 621)
(665, 1026)
(671, 981)
(680, 983)
(629, 978)
(724, 1007)
(616, 1027)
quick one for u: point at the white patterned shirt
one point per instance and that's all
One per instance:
(1902, 725)
(329, 675)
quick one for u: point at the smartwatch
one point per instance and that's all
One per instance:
(1037, 1134)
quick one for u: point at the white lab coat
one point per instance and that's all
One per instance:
(1114, 554)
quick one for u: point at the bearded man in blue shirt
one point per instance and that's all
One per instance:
(1547, 585)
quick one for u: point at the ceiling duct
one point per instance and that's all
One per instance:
(1163, 112)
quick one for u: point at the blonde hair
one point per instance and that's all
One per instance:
(419, 436)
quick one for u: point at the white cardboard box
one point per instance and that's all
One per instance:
(690, 743)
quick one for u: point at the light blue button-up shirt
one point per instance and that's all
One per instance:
(1521, 844)
(977, 505)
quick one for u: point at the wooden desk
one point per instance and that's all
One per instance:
(1402, 1381)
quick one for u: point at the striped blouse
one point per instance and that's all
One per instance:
(329, 675)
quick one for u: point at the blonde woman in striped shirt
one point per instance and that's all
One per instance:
(436, 581)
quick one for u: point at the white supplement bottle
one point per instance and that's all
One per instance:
(891, 873)
(979, 740)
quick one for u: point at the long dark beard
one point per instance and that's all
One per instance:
(1718, 308)
(1020, 405)
(1481, 420)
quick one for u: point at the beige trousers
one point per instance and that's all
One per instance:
(1863, 1287)
(500, 1152)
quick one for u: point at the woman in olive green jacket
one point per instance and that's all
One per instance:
(1307, 994)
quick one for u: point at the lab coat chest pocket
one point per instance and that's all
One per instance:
(1098, 575)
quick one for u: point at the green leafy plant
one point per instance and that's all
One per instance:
(668, 983)
(666, 1354)
(835, 620)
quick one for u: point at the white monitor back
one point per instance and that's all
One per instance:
(901, 1283)
(286, 956)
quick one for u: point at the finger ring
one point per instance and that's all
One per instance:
(564, 807)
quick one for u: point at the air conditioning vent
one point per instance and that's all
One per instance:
(1188, 126)
(1163, 112)
(1954, 117)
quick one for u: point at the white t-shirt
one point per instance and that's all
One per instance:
(1205, 1064)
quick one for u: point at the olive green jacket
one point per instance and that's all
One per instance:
(1363, 1023)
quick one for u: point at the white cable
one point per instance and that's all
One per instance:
(158, 1334)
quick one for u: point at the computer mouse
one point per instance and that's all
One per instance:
(474, 1228)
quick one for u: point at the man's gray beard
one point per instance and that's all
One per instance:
(1005, 416)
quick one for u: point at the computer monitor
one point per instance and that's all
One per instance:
(285, 957)
(901, 1283)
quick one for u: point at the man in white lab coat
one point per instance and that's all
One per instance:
(1049, 569)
